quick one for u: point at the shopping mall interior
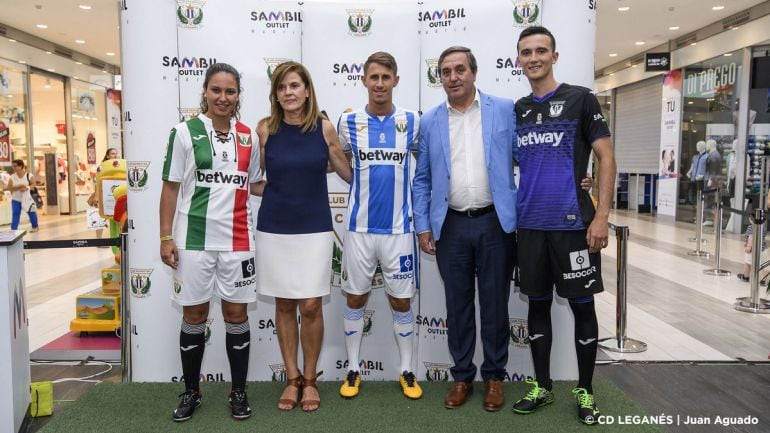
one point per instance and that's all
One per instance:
(673, 284)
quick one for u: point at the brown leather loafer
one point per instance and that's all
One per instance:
(458, 394)
(494, 399)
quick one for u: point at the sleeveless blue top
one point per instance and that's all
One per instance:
(296, 198)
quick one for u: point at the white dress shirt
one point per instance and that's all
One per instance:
(469, 180)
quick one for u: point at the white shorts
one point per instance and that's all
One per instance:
(396, 255)
(199, 273)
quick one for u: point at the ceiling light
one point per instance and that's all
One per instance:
(727, 54)
(717, 8)
(51, 70)
(674, 28)
(689, 102)
(48, 52)
(633, 66)
(22, 62)
(110, 53)
(85, 7)
(11, 40)
(623, 8)
(80, 41)
(613, 54)
(41, 26)
(734, 28)
(639, 42)
(78, 63)
(693, 44)
(77, 78)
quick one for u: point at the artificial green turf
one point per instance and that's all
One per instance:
(147, 407)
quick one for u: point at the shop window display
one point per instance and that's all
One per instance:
(13, 127)
(710, 112)
(90, 138)
(759, 122)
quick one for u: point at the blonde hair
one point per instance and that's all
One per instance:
(310, 110)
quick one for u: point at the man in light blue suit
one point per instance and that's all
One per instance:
(464, 198)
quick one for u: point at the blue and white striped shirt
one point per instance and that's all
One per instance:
(381, 188)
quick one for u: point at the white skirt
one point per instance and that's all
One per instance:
(294, 266)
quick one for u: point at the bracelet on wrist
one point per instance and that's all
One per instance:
(167, 238)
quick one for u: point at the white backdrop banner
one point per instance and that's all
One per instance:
(166, 53)
(337, 39)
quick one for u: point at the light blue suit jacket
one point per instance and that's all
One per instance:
(430, 190)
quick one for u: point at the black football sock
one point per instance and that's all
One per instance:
(540, 337)
(586, 334)
(237, 340)
(192, 341)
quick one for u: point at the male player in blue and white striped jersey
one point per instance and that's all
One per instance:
(379, 138)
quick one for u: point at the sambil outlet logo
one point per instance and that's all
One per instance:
(267, 325)
(276, 19)
(349, 71)
(443, 18)
(360, 21)
(510, 66)
(137, 175)
(433, 72)
(189, 13)
(519, 332)
(365, 367)
(205, 377)
(140, 282)
(527, 13)
(436, 372)
(272, 63)
(432, 325)
(188, 66)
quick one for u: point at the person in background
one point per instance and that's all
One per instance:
(19, 184)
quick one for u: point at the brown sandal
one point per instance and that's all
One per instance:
(296, 382)
(310, 383)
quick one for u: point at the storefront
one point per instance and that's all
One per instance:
(716, 99)
(60, 125)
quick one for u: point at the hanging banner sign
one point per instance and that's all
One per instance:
(671, 115)
(5, 145)
(91, 148)
(655, 62)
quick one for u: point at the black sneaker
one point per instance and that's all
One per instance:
(535, 398)
(190, 400)
(587, 411)
(239, 404)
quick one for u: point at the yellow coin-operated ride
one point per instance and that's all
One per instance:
(99, 310)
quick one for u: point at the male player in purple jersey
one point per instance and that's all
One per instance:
(560, 232)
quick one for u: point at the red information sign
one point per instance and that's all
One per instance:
(5, 145)
(91, 148)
